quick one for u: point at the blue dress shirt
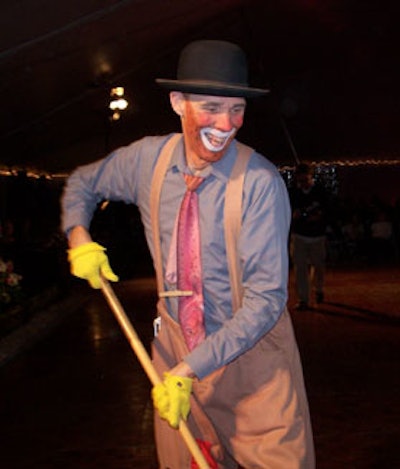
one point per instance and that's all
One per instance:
(126, 174)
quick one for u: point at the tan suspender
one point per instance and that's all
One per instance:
(155, 191)
(233, 221)
(232, 213)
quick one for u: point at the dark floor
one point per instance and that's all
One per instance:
(77, 397)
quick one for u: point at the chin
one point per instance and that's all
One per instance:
(212, 157)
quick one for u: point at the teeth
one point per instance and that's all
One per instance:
(215, 140)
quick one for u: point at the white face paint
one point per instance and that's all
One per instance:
(215, 140)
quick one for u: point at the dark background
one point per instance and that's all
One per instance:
(332, 67)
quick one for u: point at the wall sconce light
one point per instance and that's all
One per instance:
(118, 103)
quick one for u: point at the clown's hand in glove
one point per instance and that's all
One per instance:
(89, 261)
(172, 398)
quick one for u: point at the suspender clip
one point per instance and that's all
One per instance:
(157, 325)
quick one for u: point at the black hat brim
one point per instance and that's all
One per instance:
(211, 88)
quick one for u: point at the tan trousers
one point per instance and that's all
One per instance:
(253, 411)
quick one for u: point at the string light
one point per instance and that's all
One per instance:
(32, 173)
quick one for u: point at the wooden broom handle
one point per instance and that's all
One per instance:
(145, 360)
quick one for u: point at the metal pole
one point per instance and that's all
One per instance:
(289, 139)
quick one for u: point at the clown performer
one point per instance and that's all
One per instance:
(231, 368)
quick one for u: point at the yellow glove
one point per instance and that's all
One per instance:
(172, 398)
(88, 261)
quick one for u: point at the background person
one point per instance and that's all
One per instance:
(309, 203)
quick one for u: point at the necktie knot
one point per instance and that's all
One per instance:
(192, 182)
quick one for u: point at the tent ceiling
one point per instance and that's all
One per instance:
(332, 68)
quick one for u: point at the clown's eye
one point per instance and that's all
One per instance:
(237, 109)
(211, 108)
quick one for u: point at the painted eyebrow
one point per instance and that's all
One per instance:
(219, 105)
(239, 105)
(211, 103)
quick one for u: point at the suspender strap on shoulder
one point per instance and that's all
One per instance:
(233, 221)
(155, 191)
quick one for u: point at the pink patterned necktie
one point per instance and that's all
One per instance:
(189, 273)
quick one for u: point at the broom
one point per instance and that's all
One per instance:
(144, 359)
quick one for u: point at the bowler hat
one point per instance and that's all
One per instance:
(217, 68)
